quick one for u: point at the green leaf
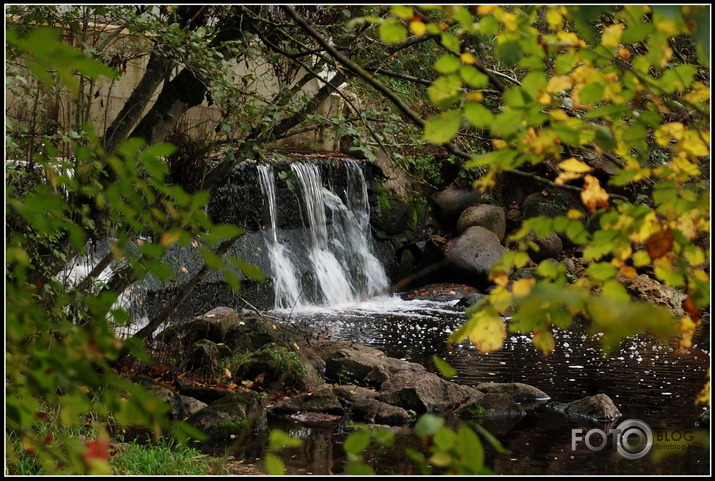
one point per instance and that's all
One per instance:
(445, 90)
(506, 124)
(470, 449)
(447, 64)
(357, 442)
(565, 63)
(444, 439)
(637, 32)
(604, 137)
(451, 42)
(509, 52)
(611, 111)
(402, 11)
(428, 424)
(279, 439)
(602, 271)
(592, 93)
(473, 77)
(478, 115)
(360, 469)
(392, 31)
(440, 128)
(251, 270)
(444, 368)
(274, 465)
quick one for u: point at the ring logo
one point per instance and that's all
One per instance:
(633, 438)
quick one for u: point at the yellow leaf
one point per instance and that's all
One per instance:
(699, 93)
(500, 279)
(522, 287)
(574, 214)
(668, 27)
(704, 396)
(486, 9)
(593, 195)
(694, 144)
(498, 144)
(168, 238)
(572, 169)
(559, 115)
(468, 58)
(559, 83)
(418, 28)
(687, 329)
(487, 332)
(544, 341)
(628, 272)
(624, 54)
(641, 258)
(554, 18)
(475, 96)
(574, 165)
(612, 35)
(544, 98)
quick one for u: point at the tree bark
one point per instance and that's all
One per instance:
(156, 72)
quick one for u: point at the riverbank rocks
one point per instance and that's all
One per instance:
(491, 217)
(598, 408)
(471, 255)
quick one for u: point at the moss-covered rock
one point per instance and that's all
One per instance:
(233, 414)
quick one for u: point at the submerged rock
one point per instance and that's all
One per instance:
(496, 405)
(597, 408)
(522, 393)
(703, 420)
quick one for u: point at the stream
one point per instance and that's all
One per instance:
(646, 380)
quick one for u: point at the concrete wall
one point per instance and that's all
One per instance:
(58, 113)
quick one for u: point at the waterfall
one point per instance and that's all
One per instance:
(286, 285)
(338, 246)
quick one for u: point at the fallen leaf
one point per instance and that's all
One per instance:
(660, 243)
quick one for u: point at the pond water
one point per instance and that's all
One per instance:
(646, 380)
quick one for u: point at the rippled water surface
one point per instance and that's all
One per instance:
(647, 381)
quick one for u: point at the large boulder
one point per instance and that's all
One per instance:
(598, 408)
(472, 255)
(363, 365)
(491, 217)
(451, 202)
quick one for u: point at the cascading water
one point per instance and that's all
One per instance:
(342, 266)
